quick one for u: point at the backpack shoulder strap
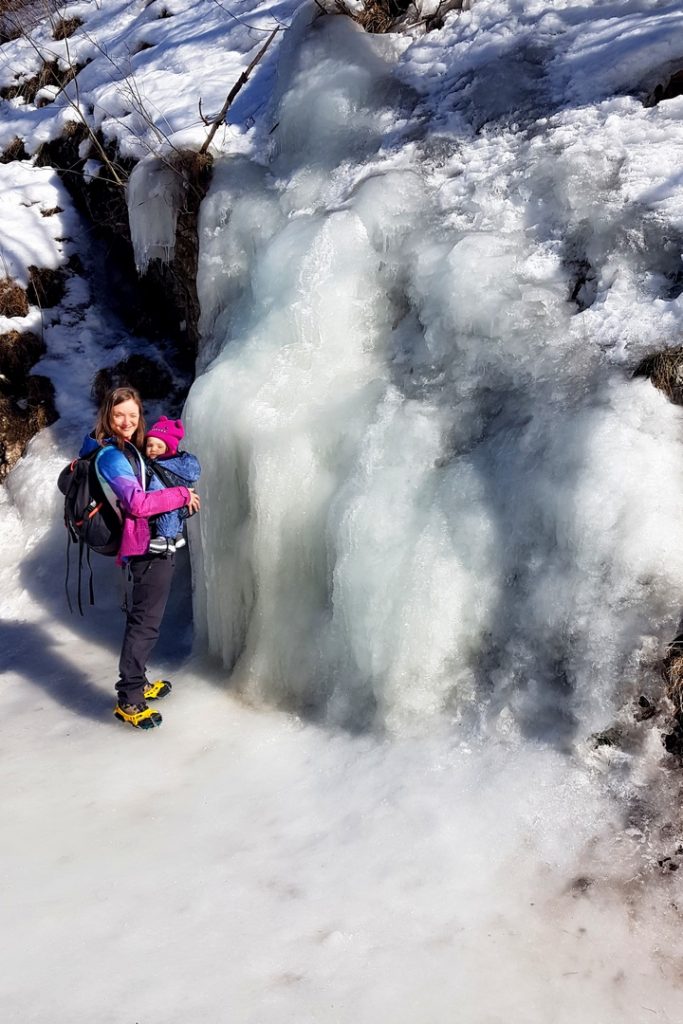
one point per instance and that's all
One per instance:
(160, 473)
(136, 462)
(106, 489)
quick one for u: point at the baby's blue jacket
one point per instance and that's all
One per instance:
(183, 469)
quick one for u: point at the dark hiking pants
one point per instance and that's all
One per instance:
(152, 578)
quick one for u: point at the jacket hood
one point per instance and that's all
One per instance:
(88, 447)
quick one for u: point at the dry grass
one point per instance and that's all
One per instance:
(19, 7)
(665, 370)
(19, 351)
(50, 74)
(191, 162)
(377, 16)
(66, 27)
(14, 151)
(13, 301)
(672, 674)
(20, 16)
(195, 168)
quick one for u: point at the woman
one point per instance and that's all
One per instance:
(120, 433)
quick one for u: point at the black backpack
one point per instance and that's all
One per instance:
(90, 519)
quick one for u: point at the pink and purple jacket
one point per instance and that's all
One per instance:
(125, 489)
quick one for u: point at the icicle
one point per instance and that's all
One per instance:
(154, 194)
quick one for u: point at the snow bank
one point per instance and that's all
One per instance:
(35, 220)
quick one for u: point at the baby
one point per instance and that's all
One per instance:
(167, 467)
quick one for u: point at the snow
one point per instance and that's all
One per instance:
(438, 546)
(332, 886)
(32, 233)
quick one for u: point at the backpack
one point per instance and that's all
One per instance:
(88, 516)
(91, 520)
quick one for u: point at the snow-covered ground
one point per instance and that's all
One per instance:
(439, 534)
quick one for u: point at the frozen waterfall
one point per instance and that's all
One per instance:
(434, 490)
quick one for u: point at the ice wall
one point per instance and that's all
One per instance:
(432, 491)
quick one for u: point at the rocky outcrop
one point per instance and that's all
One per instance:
(26, 401)
(668, 88)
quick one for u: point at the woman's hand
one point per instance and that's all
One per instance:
(194, 504)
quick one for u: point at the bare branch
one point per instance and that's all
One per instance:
(75, 105)
(205, 120)
(242, 80)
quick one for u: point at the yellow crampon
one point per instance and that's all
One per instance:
(145, 718)
(159, 688)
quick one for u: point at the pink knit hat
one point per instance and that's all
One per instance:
(171, 432)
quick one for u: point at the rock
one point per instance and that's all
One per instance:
(19, 351)
(46, 287)
(148, 376)
(646, 709)
(611, 737)
(673, 741)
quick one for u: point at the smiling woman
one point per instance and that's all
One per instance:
(120, 433)
(125, 418)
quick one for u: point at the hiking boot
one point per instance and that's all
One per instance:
(156, 690)
(161, 546)
(138, 715)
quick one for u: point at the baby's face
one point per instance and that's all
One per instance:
(154, 447)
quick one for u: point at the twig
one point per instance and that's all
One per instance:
(75, 106)
(235, 89)
(205, 120)
(128, 86)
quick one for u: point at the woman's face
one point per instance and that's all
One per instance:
(125, 418)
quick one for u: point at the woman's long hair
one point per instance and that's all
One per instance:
(104, 427)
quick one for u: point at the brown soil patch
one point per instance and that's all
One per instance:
(50, 74)
(19, 422)
(13, 300)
